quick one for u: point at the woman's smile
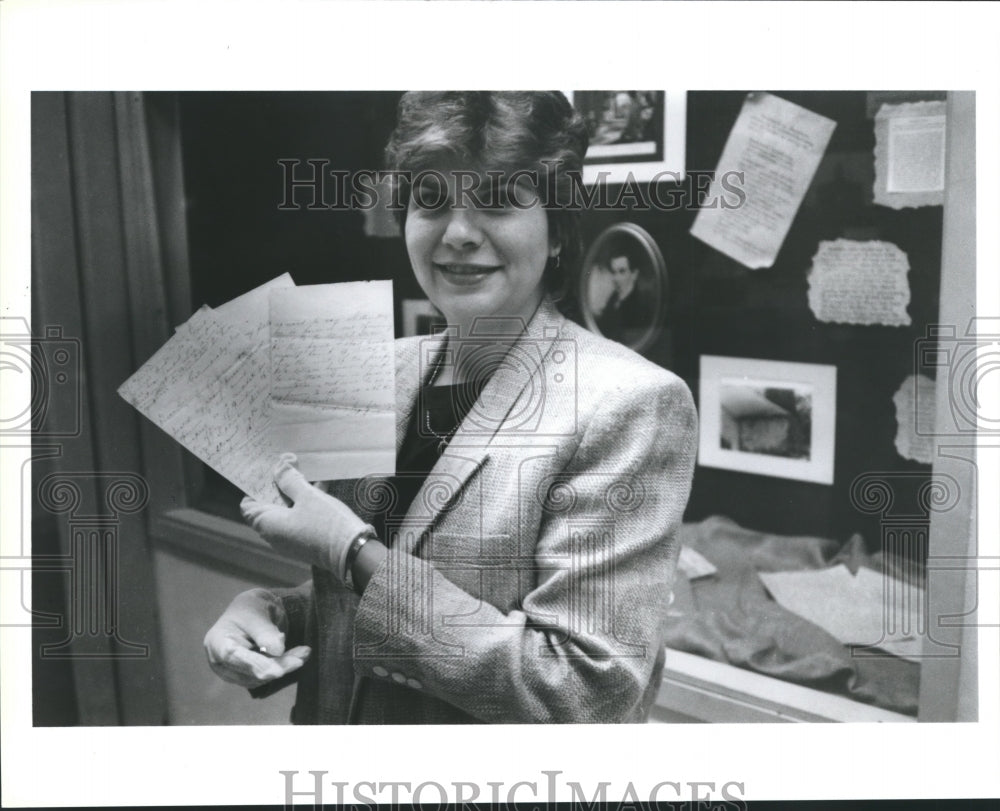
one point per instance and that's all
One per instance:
(475, 262)
(465, 274)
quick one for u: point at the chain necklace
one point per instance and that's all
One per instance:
(443, 439)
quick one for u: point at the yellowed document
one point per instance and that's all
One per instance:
(855, 282)
(333, 390)
(777, 146)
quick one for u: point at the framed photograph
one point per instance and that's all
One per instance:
(623, 286)
(420, 317)
(768, 417)
(637, 133)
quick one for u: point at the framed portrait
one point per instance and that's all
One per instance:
(623, 286)
(420, 317)
(768, 417)
(637, 133)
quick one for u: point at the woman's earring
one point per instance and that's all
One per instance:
(555, 265)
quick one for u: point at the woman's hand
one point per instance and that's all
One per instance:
(317, 529)
(246, 646)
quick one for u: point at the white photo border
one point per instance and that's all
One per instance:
(821, 378)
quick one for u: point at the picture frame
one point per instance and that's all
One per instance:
(635, 134)
(771, 418)
(420, 317)
(623, 286)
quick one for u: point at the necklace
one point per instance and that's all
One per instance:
(443, 439)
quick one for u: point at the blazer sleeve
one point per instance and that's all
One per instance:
(582, 645)
(295, 604)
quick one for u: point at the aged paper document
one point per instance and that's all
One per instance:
(250, 311)
(910, 154)
(692, 564)
(854, 282)
(915, 404)
(333, 396)
(312, 373)
(777, 146)
(208, 387)
(867, 609)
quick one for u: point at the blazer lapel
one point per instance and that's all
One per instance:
(519, 374)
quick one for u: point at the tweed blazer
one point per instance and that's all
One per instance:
(530, 578)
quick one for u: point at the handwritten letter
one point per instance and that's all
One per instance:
(208, 388)
(860, 283)
(250, 311)
(333, 388)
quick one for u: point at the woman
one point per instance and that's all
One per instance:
(518, 566)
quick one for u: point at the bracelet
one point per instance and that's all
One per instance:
(367, 534)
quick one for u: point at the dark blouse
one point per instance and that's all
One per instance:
(438, 412)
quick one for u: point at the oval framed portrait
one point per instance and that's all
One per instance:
(623, 286)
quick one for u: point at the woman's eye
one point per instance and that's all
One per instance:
(493, 201)
(496, 207)
(431, 197)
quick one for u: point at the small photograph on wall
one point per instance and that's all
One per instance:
(623, 286)
(635, 135)
(768, 417)
(760, 418)
(623, 125)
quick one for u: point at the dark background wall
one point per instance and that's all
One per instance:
(239, 237)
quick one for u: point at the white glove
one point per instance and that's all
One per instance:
(251, 621)
(317, 529)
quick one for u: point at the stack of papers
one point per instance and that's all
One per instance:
(308, 370)
(868, 609)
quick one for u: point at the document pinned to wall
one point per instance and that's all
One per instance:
(866, 609)
(915, 404)
(777, 146)
(860, 282)
(333, 395)
(910, 154)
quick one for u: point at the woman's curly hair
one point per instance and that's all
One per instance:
(505, 131)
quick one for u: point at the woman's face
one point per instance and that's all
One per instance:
(476, 253)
